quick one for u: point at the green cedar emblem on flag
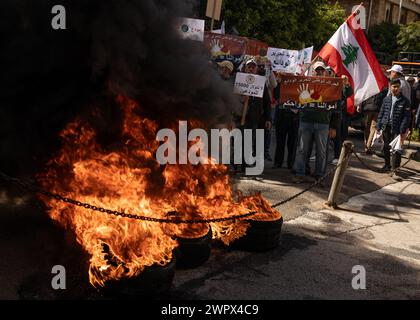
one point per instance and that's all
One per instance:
(351, 54)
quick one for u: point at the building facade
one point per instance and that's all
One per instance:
(378, 11)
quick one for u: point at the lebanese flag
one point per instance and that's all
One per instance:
(349, 53)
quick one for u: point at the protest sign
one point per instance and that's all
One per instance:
(222, 29)
(307, 55)
(225, 47)
(190, 29)
(249, 85)
(287, 61)
(303, 90)
(254, 47)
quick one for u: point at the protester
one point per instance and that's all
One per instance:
(414, 103)
(226, 69)
(417, 89)
(286, 123)
(316, 125)
(258, 115)
(412, 82)
(343, 127)
(370, 109)
(265, 69)
(417, 111)
(393, 120)
(396, 72)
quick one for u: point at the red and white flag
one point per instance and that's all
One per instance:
(349, 53)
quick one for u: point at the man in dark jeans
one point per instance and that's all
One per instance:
(287, 126)
(317, 125)
(258, 115)
(370, 109)
(417, 109)
(286, 122)
(343, 126)
(393, 120)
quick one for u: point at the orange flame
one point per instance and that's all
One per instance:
(130, 179)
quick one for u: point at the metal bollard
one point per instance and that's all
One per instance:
(340, 174)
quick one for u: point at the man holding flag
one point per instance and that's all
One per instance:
(348, 53)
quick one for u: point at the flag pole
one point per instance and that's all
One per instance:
(213, 14)
(312, 63)
(317, 56)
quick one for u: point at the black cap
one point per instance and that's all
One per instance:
(395, 82)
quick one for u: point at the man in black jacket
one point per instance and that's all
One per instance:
(258, 115)
(370, 109)
(393, 120)
(286, 120)
(317, 125)
(417, 109)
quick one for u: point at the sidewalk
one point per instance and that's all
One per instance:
(377, 226)
(379, 230)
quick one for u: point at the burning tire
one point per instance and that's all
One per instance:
(152, 282)
(261, 236)
(193, 252)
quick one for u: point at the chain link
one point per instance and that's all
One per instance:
(32, 187)
(316, 183)
(378, 170)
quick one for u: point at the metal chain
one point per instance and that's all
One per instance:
(365, 164)
(378, 170)
(143, 218)
(316, 183)
(32, 187)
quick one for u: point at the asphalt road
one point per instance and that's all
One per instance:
(378, 227)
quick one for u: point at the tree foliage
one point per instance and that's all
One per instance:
(283, 23)
(330, 18)
(383, 39)
(409, 37)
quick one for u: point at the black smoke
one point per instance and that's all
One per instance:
(110, 47)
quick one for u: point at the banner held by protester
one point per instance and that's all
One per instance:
(303, 90)
(249, 85)
(191, 29)
(225, 47)
(283, 60)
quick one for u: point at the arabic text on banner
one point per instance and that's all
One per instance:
(303, 90)
(287, 61)
(225, 47)
(249, 85)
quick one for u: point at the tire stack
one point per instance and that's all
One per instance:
(193, 252)
(261, 236)
(152, 282)
(156, 280)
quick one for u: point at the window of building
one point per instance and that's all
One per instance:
(388, 12)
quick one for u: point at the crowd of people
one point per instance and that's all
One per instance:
(391, 113)
(317, 133)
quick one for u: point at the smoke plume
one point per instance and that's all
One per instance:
(110, 47)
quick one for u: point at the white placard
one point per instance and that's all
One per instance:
(249, 85)
(191, 29)
(283, 60)
(307, 55)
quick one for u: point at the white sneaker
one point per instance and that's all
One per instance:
(335, 162)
